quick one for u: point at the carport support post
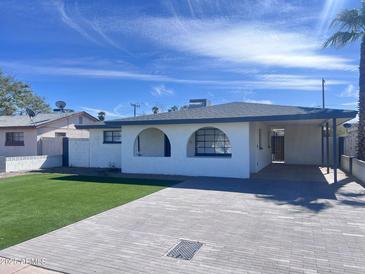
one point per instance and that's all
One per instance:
(334, 151)
(327, 147)
(322, 143)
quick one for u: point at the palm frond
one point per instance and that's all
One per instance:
(349, 20)
(342, 38)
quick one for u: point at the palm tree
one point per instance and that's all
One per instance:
(173, 108)
(351, 27)
(155, 110)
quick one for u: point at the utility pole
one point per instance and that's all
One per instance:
(322, 127)
(323, 97)
(135, 106)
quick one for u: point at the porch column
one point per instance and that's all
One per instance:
(334, 151)
(322, 144)
(327, 148)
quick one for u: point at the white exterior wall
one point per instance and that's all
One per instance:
(93, 152)
(302, 144)
(30, 143)
(103, 155)
(358, 169)
(259, 157)
(24, 163)
(238, 166)
(346, 163)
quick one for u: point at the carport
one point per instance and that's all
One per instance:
(306, 143)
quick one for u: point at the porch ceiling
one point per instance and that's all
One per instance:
(318, 122)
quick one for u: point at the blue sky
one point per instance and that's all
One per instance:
(103, 55)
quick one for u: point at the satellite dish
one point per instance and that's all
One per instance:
(30, 113)
(61, 105)
(347, 125)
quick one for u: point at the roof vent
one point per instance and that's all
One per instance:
(198, 103)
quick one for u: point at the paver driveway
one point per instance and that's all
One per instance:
(257, 226)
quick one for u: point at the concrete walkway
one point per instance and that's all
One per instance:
(247, 226)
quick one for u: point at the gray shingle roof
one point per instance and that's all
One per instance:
(235, 112)
(38, 120)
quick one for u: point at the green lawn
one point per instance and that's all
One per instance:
(32, 205)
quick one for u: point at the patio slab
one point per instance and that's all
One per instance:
(246, 226)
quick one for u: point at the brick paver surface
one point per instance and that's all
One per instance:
(247, 226)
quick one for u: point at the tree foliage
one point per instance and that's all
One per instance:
(16, 96)
(350, 25)
(155, 109)
(173, 108)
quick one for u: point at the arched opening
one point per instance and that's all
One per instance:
(152, 142)
(209, 141)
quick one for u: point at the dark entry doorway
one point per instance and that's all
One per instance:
(167, 146)
(277, 145)
(65, 156)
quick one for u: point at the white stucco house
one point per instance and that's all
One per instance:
(22, 136)
(227, 140)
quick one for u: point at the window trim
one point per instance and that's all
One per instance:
(260, 139)
(60, 134)
(10, 142)
(215, 154)
(113, 132)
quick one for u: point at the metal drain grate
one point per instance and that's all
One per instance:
(185, 250)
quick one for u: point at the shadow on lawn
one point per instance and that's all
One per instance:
(116, 180)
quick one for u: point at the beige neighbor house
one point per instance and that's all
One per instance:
(41, 135)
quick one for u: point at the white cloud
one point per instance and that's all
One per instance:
(265, 81)
(295, 82)
(82, 72)
(161, 90)
(88, 29)
(350, 104)
(350, 91)
(244, 42)
(60, 7)
(329, 11)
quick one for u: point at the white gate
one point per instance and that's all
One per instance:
(50, 146)
(79, 152)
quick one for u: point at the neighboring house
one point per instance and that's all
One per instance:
(227, 140)
(22, 136)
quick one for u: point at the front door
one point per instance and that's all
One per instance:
(277, 148)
